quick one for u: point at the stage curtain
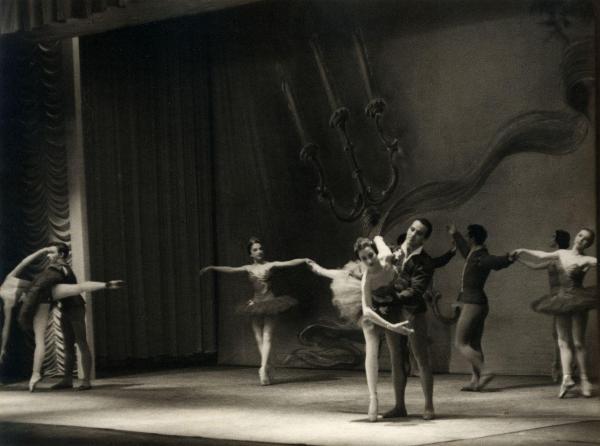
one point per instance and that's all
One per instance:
(146, 113)
(25, 15)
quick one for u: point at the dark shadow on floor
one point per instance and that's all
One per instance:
(21, 434)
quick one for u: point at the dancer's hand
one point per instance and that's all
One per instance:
(115, 284)
(451, 228)
(515, 254)
(205, 269)
(401, 328)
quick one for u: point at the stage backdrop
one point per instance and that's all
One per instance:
(191, 150)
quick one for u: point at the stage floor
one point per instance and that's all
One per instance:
(312, 407)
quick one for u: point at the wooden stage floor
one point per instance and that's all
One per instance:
(225, 405)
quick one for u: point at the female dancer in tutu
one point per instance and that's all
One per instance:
(561, 240)
(375, 304)
(38, 310)
(264, 306)
(570, 304)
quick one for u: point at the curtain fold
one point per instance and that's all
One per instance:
(25, 15)
(147, 140)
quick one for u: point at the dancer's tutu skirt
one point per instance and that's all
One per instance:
(267, 306)
(570, 301)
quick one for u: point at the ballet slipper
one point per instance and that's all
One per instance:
(373, 409)
(396, 412)
(33, 382)
(485, 380)
(567, 383)
(586, 388)
(471, 387)
(83, 386)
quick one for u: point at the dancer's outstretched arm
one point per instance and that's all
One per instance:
(224, 269)
(285, 263)
(64, 290)
(441, 261)
(534, 265)
(319, 270)
(368, 313)
(540, 255)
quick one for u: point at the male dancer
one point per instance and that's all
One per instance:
(469, 328)
(414, 270)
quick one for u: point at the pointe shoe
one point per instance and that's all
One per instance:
(2, 357)
(373, 409)
(428, 414)
(567, 383)
(33, 382)
(263, 377)
(586, 388)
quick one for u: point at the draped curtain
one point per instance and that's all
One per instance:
(146, 112)
(25, 15)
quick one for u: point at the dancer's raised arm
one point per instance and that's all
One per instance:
(368, 313)
(459, 240)
(384, 253)
(224, 269)
(26, 261)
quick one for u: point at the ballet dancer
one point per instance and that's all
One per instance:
(414, 272)
(570, 304)
(473, 300)
(373, 310)
(560, 240)
(264, 307)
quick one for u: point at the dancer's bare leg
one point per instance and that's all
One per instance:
(267, 340)
(420, 346)
(372, 341)
(397, 347)
(40, 324)
(579, 325)
(468, 325)
(564, 330)
(556, 365)
(8, 309)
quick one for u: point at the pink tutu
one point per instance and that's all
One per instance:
(267, 306)
(574, 300)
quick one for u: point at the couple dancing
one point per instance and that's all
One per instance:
(383, 293)
(55, 284)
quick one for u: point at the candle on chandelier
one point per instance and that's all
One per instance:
(363, 61)
(294, 110)
(334, 102)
